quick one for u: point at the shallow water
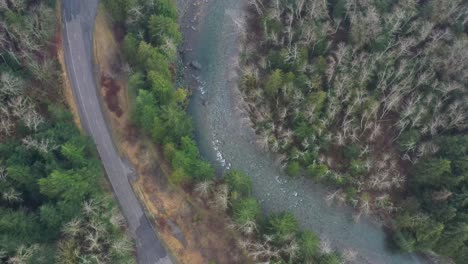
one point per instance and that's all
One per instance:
(225, 139)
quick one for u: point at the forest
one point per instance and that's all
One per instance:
(55, 205)
(151, 47)
(369, 97)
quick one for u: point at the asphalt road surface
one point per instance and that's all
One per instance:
(78, 25)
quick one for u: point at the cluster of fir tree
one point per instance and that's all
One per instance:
(150, 46)
(53, 206)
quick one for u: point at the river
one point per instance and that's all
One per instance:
(226, 139)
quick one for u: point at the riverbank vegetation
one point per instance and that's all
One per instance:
(150, 47)
(53, 203)
(369, 97)
(275, 238)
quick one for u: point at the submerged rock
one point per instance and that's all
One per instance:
(196, 65)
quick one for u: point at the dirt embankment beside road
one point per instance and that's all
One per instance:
(193, 232)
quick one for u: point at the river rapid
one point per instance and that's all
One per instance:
(212, 33)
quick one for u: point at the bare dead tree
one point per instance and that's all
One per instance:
(12, 196)
(90, 207)
(134, 14)
(23, 254)
(32, 119)
(398, 179)
(204, 188)
(93, 241)
(325, 245)
(261, 249)
(336, 196)
(316, 9)
(445, 10)
(43, 145)
(117, 219)
(350, 255)
(18, 105)
(10, 84)
(4, 5)
(221, 197)
(18, 5)
(365, 204)
(3, 173)
(442, 195)
(43, 71)
(291, 249)
(6, 125)
(248, 228)
(258, 5)
(122, 245)
(73, 227)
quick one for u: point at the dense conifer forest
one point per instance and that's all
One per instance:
(55, 206)
(370, 97)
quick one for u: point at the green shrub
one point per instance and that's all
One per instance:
(188, 159)
(273, 25)
(453, 147)
(238, 182)
(294, 168)
(317, 99)
(130, 48)
(166, 8)
(317, 171)
(161, 28)
(274, 83)
(356, 168)
(119, 8)
(432, 171)
(330, 258)
(161, 87)
(408, 139)
(246, 210)
(169, 150)
(178, 176)
(150, 58)
(404, 242)
(352, 151)
(351, 193)
(136, 81)
(202, 170)
(339, 9)
(309, 245)
(283, 226)
(177, 122)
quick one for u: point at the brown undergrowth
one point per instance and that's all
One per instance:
(193, 232)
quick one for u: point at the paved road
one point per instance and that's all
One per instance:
(78, 24)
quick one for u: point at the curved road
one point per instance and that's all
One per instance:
(78, 24)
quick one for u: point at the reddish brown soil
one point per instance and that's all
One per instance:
(111, 90)
(119, 33)
(56, 42)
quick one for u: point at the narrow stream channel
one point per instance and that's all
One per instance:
(226, 140)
